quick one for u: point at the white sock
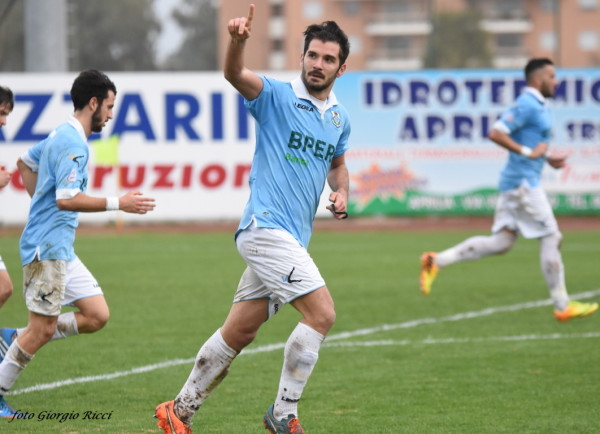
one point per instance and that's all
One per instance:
(66, 326)
(210, 367)
(15, 360)
(476, 248)
(554, 270)
(300, 357)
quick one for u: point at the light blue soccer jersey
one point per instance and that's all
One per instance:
(60, 161)
(528, 123)
(295, 144)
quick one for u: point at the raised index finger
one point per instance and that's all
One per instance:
(250, 14)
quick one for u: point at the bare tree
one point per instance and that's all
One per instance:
(457, 41)
(112, 35)
(198, 52)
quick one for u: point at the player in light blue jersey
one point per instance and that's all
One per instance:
(55, 175)
(523, 207)
(7, 102)
(301, 136)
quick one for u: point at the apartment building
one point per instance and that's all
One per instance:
(393, 34)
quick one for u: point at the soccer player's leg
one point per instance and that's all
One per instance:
(503, 237)
(536, 220)
(216, 355)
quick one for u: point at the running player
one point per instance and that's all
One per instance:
(523, 208)
(302, 135)
(55, 175)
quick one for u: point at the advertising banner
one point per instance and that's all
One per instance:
(418, 143)
(420, 147)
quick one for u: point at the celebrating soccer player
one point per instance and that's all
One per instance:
(301, 140)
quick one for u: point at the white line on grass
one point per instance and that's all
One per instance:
(346, 335)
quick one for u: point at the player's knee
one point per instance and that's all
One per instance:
(323, 322)
(239, 339)
(503, 241)
(6, 291)
(44, 333)
(97, 321)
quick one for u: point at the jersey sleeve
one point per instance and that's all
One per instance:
(343, 143)
(32, 156)
(71, 173)
(260, 105)
(516, 117)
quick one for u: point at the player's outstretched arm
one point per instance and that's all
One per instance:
(133, 202)
(247, 83)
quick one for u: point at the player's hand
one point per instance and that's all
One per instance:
(5, 176)
(539, 150)
(133, 202)
(557, 160)
(339, 204)
(239, 28)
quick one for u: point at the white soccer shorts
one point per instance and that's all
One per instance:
(2, 265)
(48, 284)
(525, 210)
(279, 268)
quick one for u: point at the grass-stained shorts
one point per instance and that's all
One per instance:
(279, 268)
(50, 284)
(525, 210)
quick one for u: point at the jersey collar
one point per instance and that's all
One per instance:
(536, 93)
(301, 92)
(78, 127)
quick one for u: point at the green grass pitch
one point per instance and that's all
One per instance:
(406, 363)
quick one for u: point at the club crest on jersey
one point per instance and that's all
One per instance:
(336, 119)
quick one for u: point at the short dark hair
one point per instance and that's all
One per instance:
(89, 84)
(534, 64)
(328, 31)
(7, 97)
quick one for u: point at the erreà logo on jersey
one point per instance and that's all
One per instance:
(336, 119)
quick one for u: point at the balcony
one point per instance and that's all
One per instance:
(395, 24)
(395, 59)
(509, 57)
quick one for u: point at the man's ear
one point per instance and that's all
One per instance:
(341, 71)
(93, 103)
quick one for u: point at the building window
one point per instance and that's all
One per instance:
(277, 44)
(312, 10)
(351, 8)
(587, 5)
(355, 44)
(509, 44)
(548, 41)
(588, 40)
(509, 9)
(548, 5)
(277, 10)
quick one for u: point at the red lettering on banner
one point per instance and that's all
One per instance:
(186, 178)
(16, 181)
(163, 180)
(99, 173)
(170, 176)
(213, 176)
(241, 175)
(140, 174)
